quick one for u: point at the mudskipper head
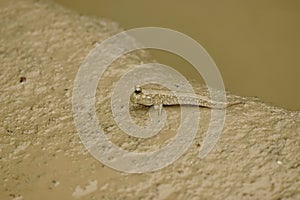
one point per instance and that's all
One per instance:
(136, 95)
(139, 97)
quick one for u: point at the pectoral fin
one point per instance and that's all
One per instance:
(158, 107)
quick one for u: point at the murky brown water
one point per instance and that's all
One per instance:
(255, 43)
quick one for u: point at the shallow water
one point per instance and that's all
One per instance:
(255, 44)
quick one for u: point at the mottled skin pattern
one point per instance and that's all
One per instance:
(150, 97)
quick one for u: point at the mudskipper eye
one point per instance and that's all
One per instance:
(137, 90)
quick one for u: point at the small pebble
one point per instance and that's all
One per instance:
(22, 79)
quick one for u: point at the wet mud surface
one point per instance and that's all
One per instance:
(42, 157)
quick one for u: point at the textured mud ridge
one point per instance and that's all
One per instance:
(41, 48)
